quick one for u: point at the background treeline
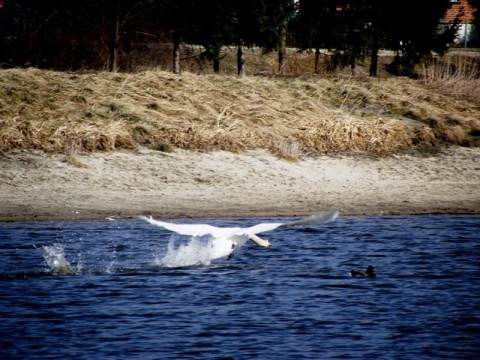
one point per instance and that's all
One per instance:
(127, 35)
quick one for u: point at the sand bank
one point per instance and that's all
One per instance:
(39, 186)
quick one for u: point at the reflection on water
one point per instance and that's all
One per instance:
(139, 292)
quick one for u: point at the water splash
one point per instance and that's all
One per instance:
(197, 252)
(54, 256)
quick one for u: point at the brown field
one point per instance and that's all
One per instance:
(291, 116)
(361, 145)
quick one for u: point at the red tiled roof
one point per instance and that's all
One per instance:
(461, 7)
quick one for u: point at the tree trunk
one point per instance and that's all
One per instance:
(25, 43)
(240, 61)
(216, 64)
(282, 52)
(115, 38)
(215, 56)
(374, 60)
(176, 53)
(317, 60)
(352, 64)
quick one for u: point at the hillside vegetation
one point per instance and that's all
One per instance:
(291, 116)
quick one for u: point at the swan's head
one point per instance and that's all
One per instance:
(263, 242)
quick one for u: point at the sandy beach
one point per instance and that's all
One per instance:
(39, 186)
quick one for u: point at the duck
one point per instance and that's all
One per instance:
(370, 272)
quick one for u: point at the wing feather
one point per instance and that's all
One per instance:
(259, 228)
(205, 229)
(315, 219)
(189, 229)
(311, 220)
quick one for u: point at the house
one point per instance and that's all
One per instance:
(465, 13)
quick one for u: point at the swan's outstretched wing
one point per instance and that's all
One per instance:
(315, 219)
(204, 229)
(190, 229)
(311, 220)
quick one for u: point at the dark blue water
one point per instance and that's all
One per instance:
(121, 289)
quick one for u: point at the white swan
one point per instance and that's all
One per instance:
(227, 240)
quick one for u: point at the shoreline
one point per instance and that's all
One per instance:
(35, 186)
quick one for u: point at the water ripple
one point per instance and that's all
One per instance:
(103, 289)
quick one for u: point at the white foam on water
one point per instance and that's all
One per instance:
(54, 256)
(197, 252)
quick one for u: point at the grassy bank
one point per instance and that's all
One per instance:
(290, 116)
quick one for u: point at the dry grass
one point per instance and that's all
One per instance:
(291, 116)
(71, 153)
(455, 73)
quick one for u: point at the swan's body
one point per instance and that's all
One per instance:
(227, 240)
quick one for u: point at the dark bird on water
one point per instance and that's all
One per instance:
(369, 273)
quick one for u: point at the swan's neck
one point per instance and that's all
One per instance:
(259, 241)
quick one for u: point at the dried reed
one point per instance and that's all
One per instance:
(291, 116)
